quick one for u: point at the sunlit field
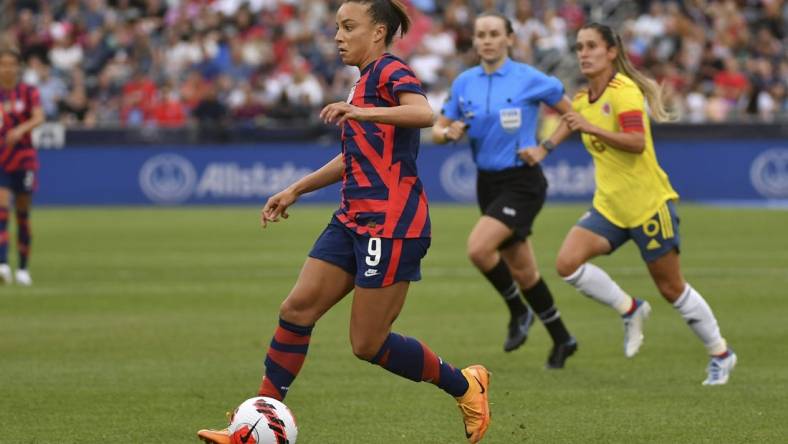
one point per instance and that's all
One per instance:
(147, 324)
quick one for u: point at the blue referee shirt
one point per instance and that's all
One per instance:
(502, 109)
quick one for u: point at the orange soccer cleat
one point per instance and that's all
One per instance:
(214, 436)
(474, 405)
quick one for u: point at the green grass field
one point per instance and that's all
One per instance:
(147, 324)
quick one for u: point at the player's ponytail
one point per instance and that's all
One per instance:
(391, 13)
(10, 51)
(650, 88)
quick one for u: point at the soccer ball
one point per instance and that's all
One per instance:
(262, 420)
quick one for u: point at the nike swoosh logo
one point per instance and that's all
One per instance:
(480, 385)
(248, 435)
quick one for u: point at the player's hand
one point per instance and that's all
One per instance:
(13, 137)
(456, 130)
(533, 154)
(339, 112)
(276, 207)
(576, 122)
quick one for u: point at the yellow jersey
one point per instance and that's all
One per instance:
(630, 188)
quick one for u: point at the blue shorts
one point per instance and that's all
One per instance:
(655, 238)
(19, 182)
(375, 262)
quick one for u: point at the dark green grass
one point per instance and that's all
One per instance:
(147, 324)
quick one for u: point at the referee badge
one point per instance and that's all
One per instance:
(511, 119)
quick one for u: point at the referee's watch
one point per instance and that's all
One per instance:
(548, 146)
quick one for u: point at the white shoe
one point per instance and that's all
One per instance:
(22, 277)
(720, 369)
(5, 274)
(633, 327)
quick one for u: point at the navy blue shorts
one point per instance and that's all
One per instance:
(375, 262)
(19, 182)
(655, 237)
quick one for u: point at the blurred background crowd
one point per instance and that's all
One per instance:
(258, 63)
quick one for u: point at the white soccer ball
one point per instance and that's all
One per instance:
(262, 420)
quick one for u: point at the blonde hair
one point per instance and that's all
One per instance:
(648, 86)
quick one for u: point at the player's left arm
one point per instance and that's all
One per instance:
(36, 118)
(413, 112)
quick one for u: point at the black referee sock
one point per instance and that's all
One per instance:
(502, 280)
(540, 299)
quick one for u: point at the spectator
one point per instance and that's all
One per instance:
(731, 81)
(168, 111)
(51, 87)
(258, 43)
(210, 113)
(74, 107)
(137, 99)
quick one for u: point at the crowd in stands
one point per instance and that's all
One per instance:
(170, 63)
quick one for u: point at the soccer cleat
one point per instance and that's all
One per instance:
(719, 369)
(5, 274)
(473, 404)
(214, 436)
(22, 277)
(633, 327)
(518, 331)
(560, 352)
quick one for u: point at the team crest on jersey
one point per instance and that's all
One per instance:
(606, 109)
(20, 106)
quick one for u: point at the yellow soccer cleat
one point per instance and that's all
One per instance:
(473, 404)
(214, 436)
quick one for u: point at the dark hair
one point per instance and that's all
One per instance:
(391, 13)
(651, 89)
(506, 21)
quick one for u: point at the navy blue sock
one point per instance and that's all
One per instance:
(409, 358)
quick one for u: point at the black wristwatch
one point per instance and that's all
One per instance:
(548, 146)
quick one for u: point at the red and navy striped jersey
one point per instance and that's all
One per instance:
(16, 107)
(382, 195)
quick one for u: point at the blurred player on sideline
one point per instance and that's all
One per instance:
(633, 197)
(20, 112)
(375, 241)
(497, 104)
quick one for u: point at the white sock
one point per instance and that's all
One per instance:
(593, 282)
(697, 314)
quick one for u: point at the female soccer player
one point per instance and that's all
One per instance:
(376, 239)
(633, 199)
(20, 112)
(497, 104)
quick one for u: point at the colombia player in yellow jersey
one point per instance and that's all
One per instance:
(633, 197)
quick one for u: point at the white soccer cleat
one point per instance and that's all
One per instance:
(633, 327)
(719, 369)
(5, 274)
(22, 277)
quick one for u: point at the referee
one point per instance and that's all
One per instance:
(497, 104)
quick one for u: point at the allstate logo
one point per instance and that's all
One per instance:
(167, 178)
(769, 173)
(458, 176)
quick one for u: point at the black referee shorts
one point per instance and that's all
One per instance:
(514, 196)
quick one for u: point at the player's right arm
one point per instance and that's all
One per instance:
(447, 130)
(277, 204)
